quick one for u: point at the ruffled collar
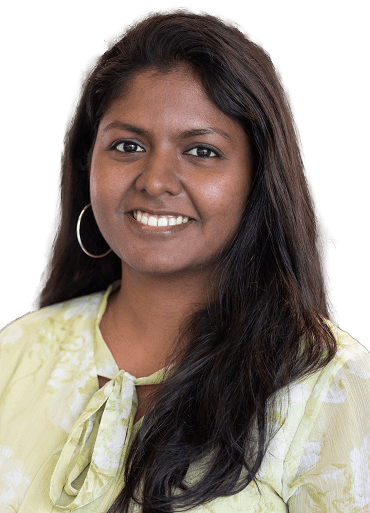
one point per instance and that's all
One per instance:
(97, 445)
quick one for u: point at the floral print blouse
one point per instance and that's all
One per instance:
(63, 441)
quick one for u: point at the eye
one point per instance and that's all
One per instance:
(202, 151)
(127, 147)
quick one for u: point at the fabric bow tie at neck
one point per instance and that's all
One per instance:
(92, 455)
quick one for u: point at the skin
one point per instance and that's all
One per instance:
(165, 271)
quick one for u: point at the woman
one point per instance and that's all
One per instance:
(183, 356)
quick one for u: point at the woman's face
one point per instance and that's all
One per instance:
(164, 149)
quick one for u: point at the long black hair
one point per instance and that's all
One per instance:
(263, 325)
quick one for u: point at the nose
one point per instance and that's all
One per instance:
(160, 173)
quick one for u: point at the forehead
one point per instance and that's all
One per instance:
(180, 78)
(168, 100)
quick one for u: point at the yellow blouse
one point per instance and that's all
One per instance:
(63, 441)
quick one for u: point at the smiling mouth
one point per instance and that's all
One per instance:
(161, 220)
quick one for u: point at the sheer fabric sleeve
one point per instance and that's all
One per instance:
(332, 471)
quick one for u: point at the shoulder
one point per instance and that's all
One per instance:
(350, 365)
(348, 347)
(342, 387)
(330, 440)
(42, 334)
(70, 311)
(346, 378)
(334, 396)
(351, 361)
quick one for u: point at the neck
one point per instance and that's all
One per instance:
(144, 316)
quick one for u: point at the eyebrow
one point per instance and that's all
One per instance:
(183, 135)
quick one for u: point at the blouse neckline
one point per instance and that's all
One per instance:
(93, 455)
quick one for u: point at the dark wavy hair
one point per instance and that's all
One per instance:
(264, 323)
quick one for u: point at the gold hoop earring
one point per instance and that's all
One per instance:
(78, 227)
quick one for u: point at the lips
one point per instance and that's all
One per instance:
(150, 225)
(158, 213)
(145, 218)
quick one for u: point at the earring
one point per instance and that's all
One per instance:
(79, 236)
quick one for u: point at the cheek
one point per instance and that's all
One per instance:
(94, 188)
(102, 196)
(95, 178)
(105, 184)
(226, 198)
(233, 205)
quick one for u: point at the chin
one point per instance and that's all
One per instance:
(162, 268)
(152, 267)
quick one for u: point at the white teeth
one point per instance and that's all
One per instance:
(151, 220)
(162, 221)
